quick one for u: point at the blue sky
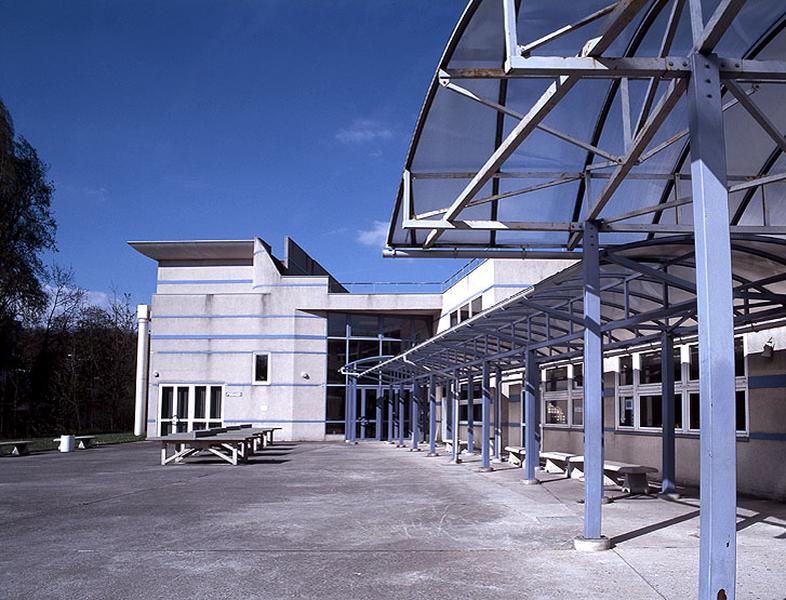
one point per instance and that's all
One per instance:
(197, 119)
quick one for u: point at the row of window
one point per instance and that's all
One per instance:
(638, 391)
(468, 310)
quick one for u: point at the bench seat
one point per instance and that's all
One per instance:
(634, 477)
(18, 447)
(463, 445)
(557, 462)
(516, 455)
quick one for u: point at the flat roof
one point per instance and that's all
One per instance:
(196, 249)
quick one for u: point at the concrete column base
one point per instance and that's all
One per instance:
(669, 495)
(583, 544)
(486, 469)
(530, 482)
(604, 500)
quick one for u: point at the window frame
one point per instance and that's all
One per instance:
(683, 389)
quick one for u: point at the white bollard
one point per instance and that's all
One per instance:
(67, 443)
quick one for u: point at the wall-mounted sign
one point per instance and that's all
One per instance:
(233, 394)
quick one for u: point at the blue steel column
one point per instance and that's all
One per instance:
(378, 414)
(668, 462)
(470, 413)
(401, 415)
(447, 417)
(352, 395)
(497, 415)
(414, 418)
(363, 419)
(485, 431)
(391, 401)
(432, 416)
(455, 400)
(531, 418)
(717, 548)
(593, 396)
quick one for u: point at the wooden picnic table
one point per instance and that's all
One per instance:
(230, 445)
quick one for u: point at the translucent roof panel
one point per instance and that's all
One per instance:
(587, 126)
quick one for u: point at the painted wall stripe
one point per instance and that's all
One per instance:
(265, 385)
(290, 316)
(201, 281)
(241, 352)
(759, 382)
(290, 285)
(238, 336)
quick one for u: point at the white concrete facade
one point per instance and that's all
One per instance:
(218, 304)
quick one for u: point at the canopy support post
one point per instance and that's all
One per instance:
(531, 418)
(432, 416)
(717, 548)
(401, 415)
(352, 404)
(414, 417)
(497, 416)
(485, 431)
(592, 540)
(363, 420)
(470, 414)
(391, 403)
(668, 462)
(378, 414)
(455, 400)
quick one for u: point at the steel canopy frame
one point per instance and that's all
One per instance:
(648, 274)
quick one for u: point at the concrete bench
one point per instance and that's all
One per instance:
(17, 447)
(634, 477)
(463, 446)
(82, 441)
(556, 462)
(515, 455)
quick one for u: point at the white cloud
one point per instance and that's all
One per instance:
(99, 299)
(361, 131)
(376, 236)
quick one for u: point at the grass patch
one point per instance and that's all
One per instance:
(102, 439)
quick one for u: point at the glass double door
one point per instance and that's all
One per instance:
(186, 407)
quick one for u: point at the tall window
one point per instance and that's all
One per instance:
(189, 407)
(355, 336)
(563, 398)
(261, 367)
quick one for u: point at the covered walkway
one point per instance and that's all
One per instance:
(643, 138)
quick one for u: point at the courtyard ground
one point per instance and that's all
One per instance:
(329, 521)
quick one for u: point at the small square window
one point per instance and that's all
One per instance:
(262, 368)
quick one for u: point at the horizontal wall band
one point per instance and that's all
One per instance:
(288, 421)
(201, 281)
(760, 382)
(290, 316)
(290, 285)
(241, 352)
(264, 385)
(238, 336)
(260, 385)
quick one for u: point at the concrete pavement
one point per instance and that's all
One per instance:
(311, 520)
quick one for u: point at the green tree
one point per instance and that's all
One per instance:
(27, 228)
